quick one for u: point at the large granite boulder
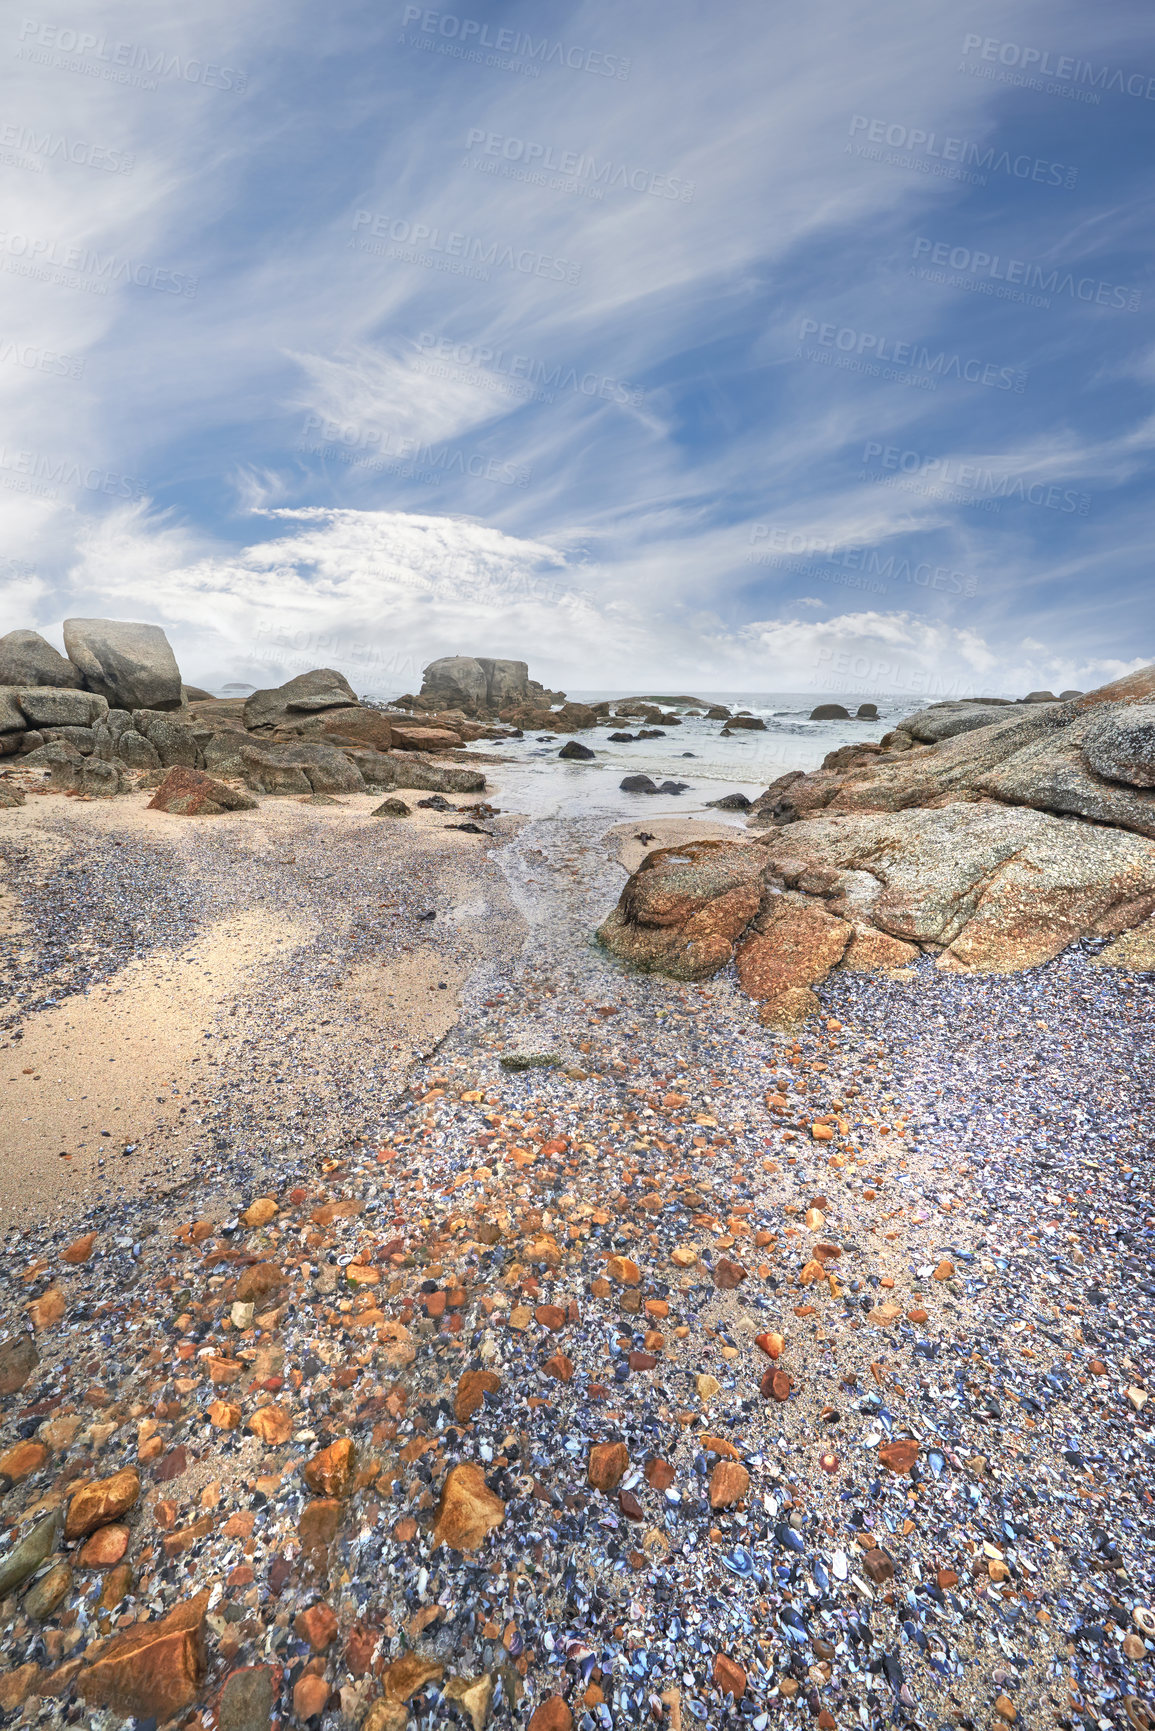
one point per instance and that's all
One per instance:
(457, 682)
(26, 658)
(945, 720)
(1043, 756)
(683, 909)
(307, 694)
(57, 706)
(130, 664)
(505, 681)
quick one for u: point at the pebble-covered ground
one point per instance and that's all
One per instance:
(690, 1372)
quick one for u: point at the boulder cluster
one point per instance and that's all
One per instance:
(986, 836)
(114, 716)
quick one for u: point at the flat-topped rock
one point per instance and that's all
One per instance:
(307, 694)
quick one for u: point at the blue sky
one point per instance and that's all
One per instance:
(754, 347)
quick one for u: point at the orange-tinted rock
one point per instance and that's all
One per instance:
(900, 1456)
(19, 1462)
(729, 1676)
(559, 1367)
(189, 792)
(551, 1715)
(776, 1385)
(224, 1415)
(871, 951)
(405, 1676)
(625, 1272)
(771, 1344)
(104, 1548)
(607, 1463)
(223, 1371)
(258, 1281)
(80, 1249)
(945, 1578)
(472, 1388)
(48, 1308)
(273, 1424)
(727, 1274)
(467, 1509)
(117, 1586)
(17, 1685)
(792, 945)
(319, 1522)
(332, 1470)
(310, 1696)
(944, 1271)
(550, 1316)
(660, 1474)
(317, 1625)
(153, 1670)
(359, 1648)
(729, 1483)
(879, 1565)
(101, 1501)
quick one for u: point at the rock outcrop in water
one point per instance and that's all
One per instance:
(989, 835)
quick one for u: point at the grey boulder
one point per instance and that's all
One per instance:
(947, 720)
(505, 681)
(135, 751)
(55, 706)
(172, 740)
(26, 658)
(129, 663)
(456, 681)
(322, 688)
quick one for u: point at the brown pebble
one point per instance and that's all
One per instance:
(728, 1275)
(105, 1547)
(729, 1676)
(607, 1463)
(729, 1483)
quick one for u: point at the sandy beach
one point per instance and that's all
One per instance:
(500, 1336)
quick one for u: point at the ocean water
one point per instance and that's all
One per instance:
(540, 784)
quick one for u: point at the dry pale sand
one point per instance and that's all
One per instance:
(117, 1064)
(142, 1059)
